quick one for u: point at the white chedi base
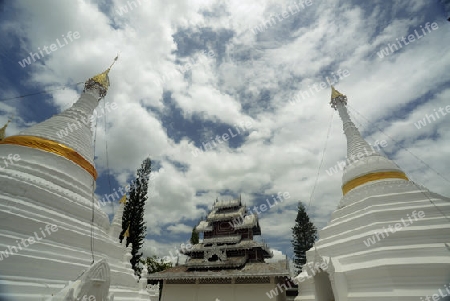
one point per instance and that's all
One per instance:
(153, 290)
(222, 292)
(411, 263)
(45, 189)
(92, 286)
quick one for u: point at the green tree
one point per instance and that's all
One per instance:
(194, 237)
(156, 264)
(133, 216)
(304, 234)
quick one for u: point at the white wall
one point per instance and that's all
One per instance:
(212, 292)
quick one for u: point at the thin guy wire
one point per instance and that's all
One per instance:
(37, 93)
(321, 161)
(107, 154)
(93, 198)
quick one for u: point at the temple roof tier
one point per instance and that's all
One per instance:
(227, 204)
(204, 226)
(216, 216)
(248, 221)
(250, 270)
(222, 240)
(231, 262)
(242, 245)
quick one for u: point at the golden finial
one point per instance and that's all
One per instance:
(3, 129)
(127, 233)
(103, 78)
(123, 200)
(100, 81)
(335, 93)
(337, 97)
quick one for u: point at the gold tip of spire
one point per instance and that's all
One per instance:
(101, 80)
(123, 200)
(127, 233)
(335, 93)
(3, 130)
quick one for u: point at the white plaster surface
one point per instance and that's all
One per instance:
(212, 292)
(46, 189)
(412, 263)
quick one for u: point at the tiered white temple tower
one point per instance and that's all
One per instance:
(387, 240)
(228, 264)
(52, 227)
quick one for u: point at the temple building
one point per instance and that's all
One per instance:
(56, 243)
(388, 239)
(228, 264)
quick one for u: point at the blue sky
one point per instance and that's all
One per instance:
(191, 70)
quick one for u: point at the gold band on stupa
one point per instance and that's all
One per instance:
(52, 147)
(372, 177)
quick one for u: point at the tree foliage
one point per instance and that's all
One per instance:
(133, 215)
(156, 264)
(304, 234)
(195, 238)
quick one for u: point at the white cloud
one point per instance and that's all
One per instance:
(285, 144)
(180, 228)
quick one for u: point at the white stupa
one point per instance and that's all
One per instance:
(387, 240)
(51, 225)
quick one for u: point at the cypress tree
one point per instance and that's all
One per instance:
(133, 215)
(304, 234)
(194, 237)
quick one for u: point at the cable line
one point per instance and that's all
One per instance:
(107, 154)
(321, 161)
(37, 93)
(93, 198)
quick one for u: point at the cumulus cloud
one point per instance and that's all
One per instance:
(172, 97)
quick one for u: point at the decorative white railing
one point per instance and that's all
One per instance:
(224, 240)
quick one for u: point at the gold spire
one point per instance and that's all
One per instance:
(123, 200)
(103, 78)
(3, 129)
(100, 81)
(337, 97)
(335, 93)
(357, 148)
(127, 233)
